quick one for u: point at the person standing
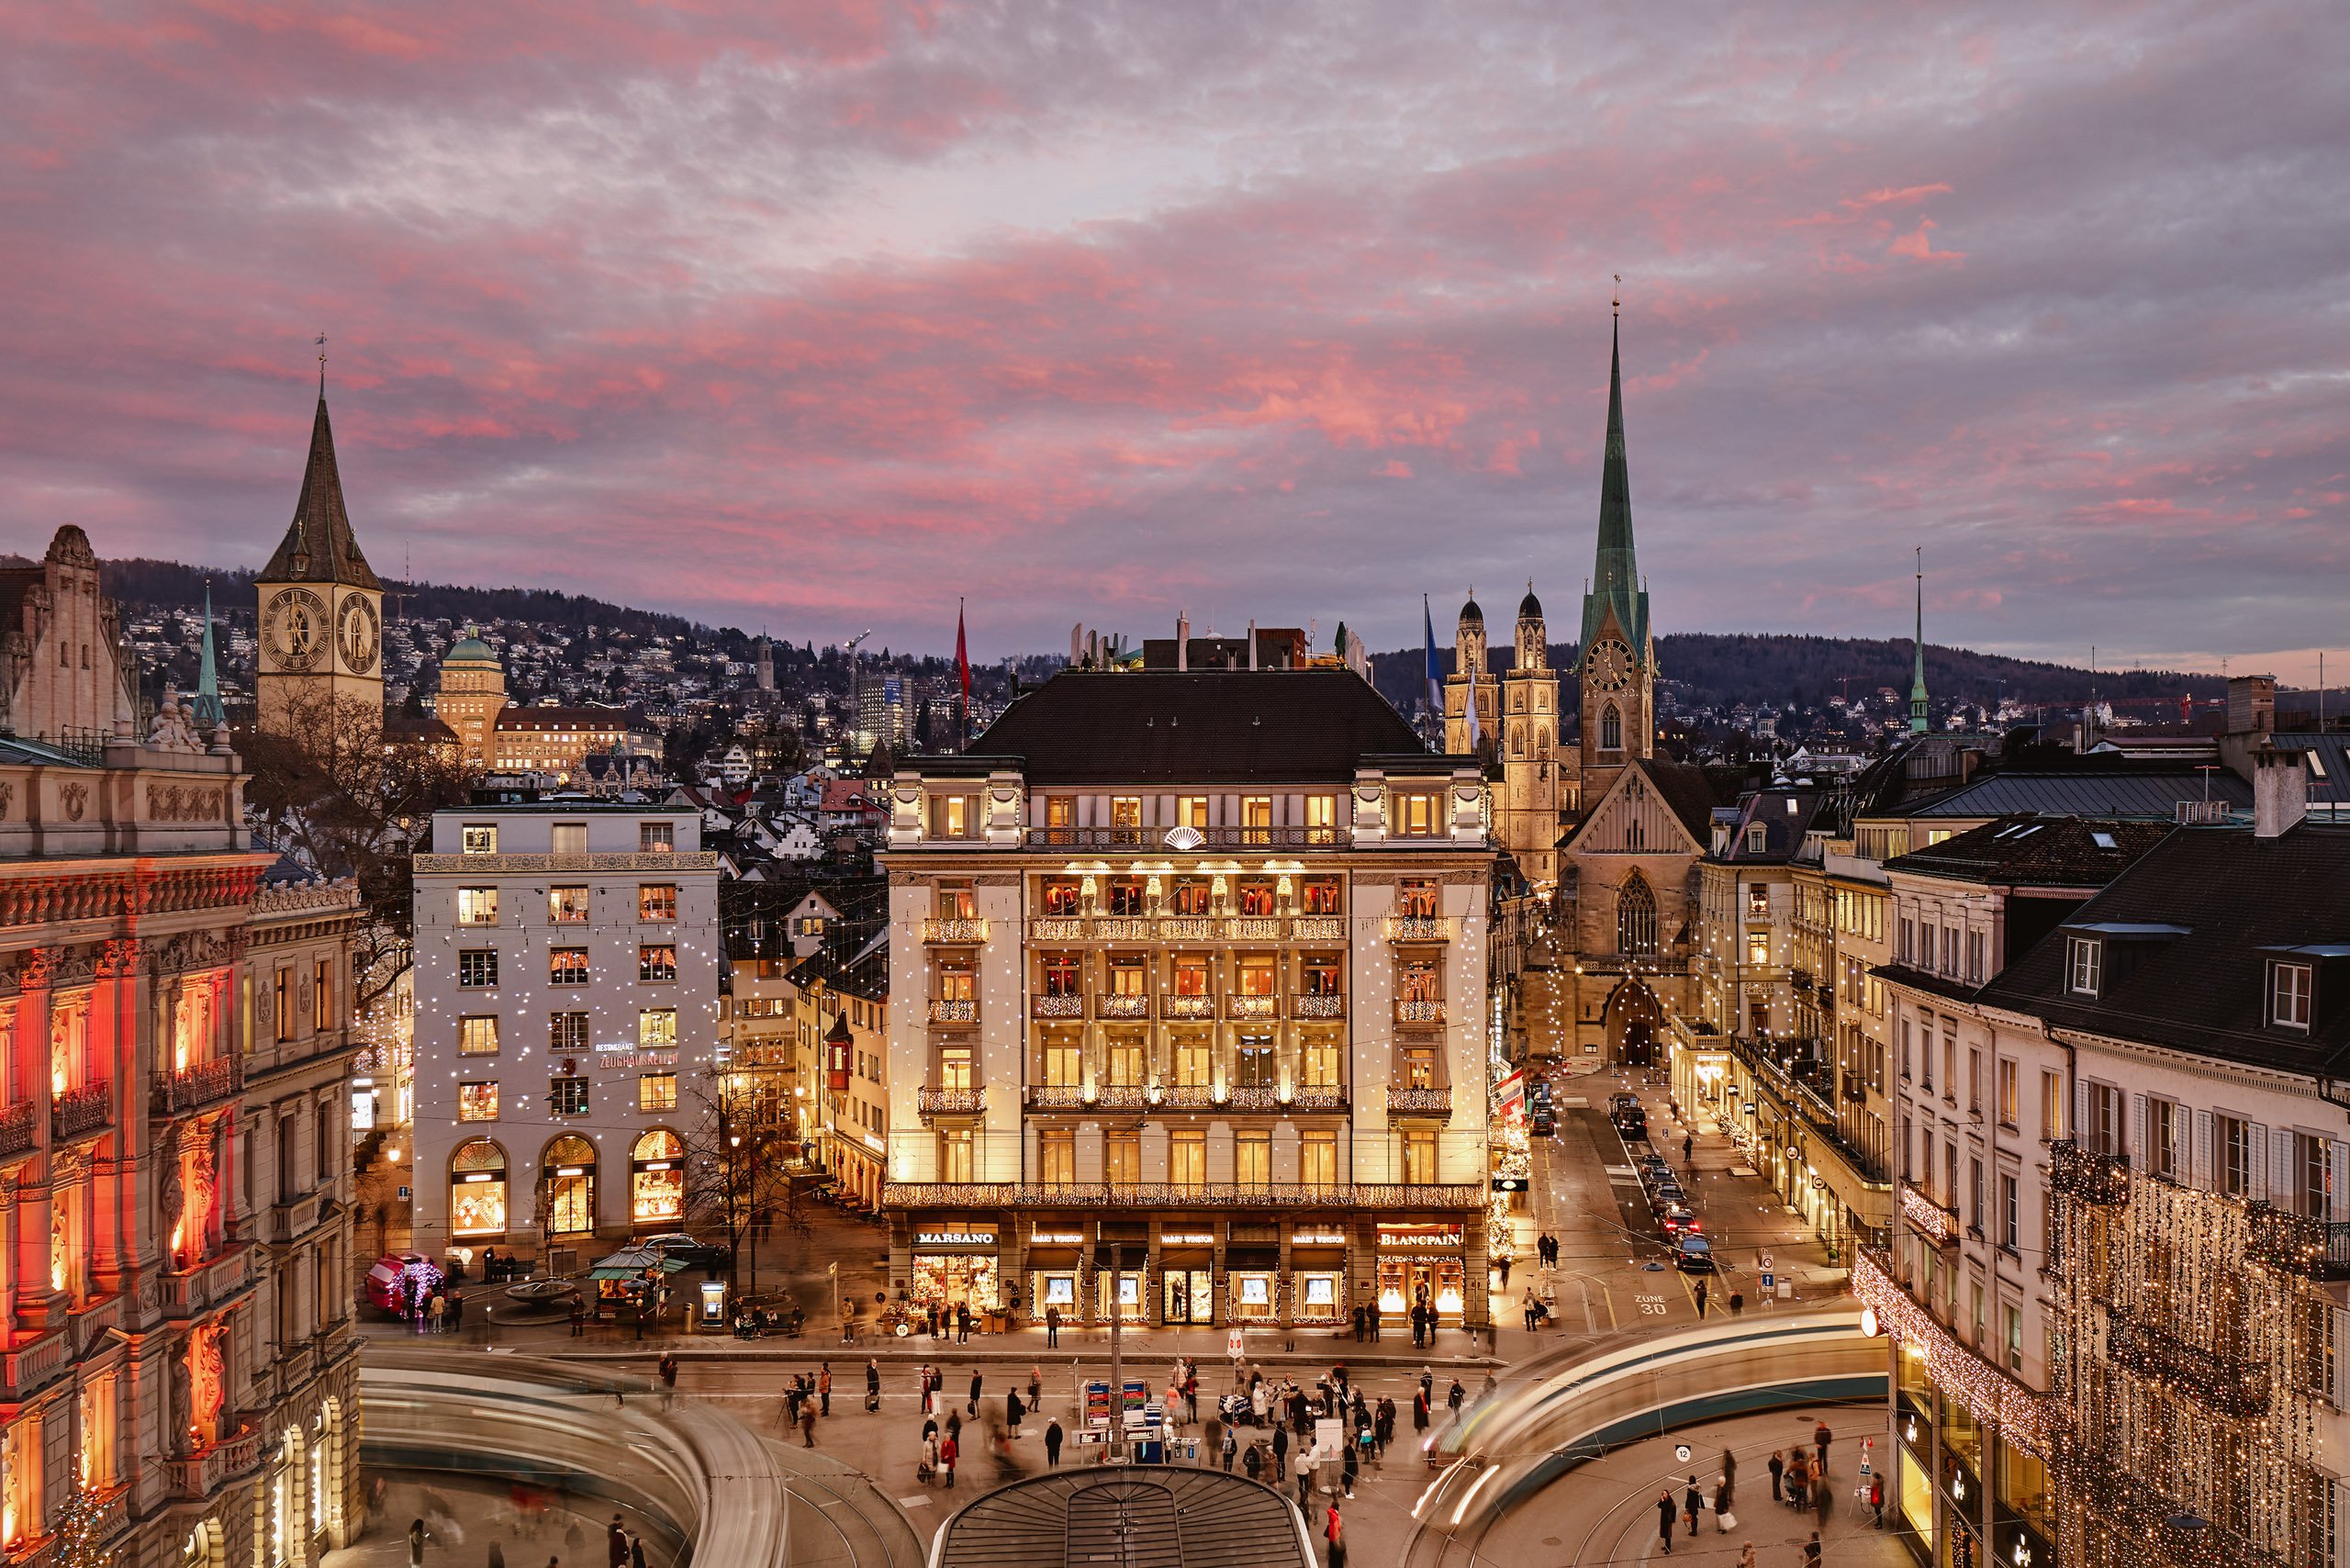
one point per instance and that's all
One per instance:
(1280, 1453)
(947, 1450)
(1231, 1448)
(1688, 1149)
(825, 1389)
(1812, 1551)
(1819, 1437)
(1664, 1516)
(1699, 1295)
(416, 1543)
(1035, 1387)
(1692, 1503)
(1348, 1467)
(1014, 1408)
(1452, 1398)
(616, 1544)
(438, 1311)
(929, 1456)
(1505, 1271)
(1253, 1461)
(1526, 1308)
(1053, 1325)
(1370, 1315)
(873, 1386)
(1777, 1467)
(1746, 1556)
(1721, 1504)
(1053, 1442)
(808, 1424)
(1359, 1322)
(1303, 1465)
(973, 1406)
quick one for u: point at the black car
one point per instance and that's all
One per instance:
(1630, 1120)
(677, 1246)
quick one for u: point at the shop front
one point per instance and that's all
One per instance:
(1422, 1265)
(1317, 1273)
(657, 1181)
(1254, 1291)
(567, 1170)
(1187, 1276)
(954, 1265)
(1120, 1274)
(478, 1190)
(1055, 1266)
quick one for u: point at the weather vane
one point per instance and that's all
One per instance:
(1617, 302)
(323, 365)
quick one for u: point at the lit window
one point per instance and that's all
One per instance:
(656, 962)
(1191, 810)
(1060, 811)
(1758, 947)
(477, 969)
(656, 1028)
(1321, 819)
(566, 966)
(657, 901)
(1418, 814)
(477, 906)
(657, 838)
(476, 1102)
(477, 1036)
(951, 816)
(656, 1092)
(1126, 810)
(481, 838)
(2289, 995)
(567, 906)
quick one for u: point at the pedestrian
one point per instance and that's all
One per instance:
(1876, 1499)
(1746, 1556)
(1692, 1503)
(974, 1405)
(1699, 1294)
(438, 1311)
(1729, 1469)
(1280, 1453)
(456, 1312)
(416, 1543)
(1053, 1325)
(496, 1558)
(1526, 1309)
(1253, 1461)
(946, 1461)
(1427, 1385)
(1348, 1467)
(1359, 1322)
(825, 1389)
(1723, 1521)
(962, 1322)
(636, 1551)
(1014, 1408)
(578, 1317)
(616, 1543)
(1452, 1398)
(792, 1405)
(1419, 1413)
(1820, 1437)
(1823, 1498)
(927, 1469)
(1737, 1303)
(1664, 1516)
(1505, 1271)
(1371, 1314)
(1053, 1441)
(1035, 1387)
(1304, 1467)
(1231, 1448)
(808, 1424)
(1799, 1481)
(1777, 1467)
(1688, 1147)
(1812, 1551)
(872, 1386)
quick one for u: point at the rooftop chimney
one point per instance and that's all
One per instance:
(1252, 642)
(2280, 788)
(2252, 705)
(1183, 641)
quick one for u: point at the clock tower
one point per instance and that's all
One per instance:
(321, 627)
(1616, 660)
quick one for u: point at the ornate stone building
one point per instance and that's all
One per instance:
(322, 623)
(471, 696)
(176, 1376)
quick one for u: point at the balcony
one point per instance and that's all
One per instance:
(1404, 1101)
(1419, 1013)
(1239, 1007)
(1187, 927)
(955, 1010)
(963, 931)
(1057, 928)
(1069, 838)
(2232, 1386)
(1071, 1006)
(1324, 1004)
(2024, 1417)
(1252, 928)
(15, 1128)
(1417, 928)
(1318, 928)
(198, 1088)
(2295, 1244)
(1187, 1007)
(1456, 1197)
(80, 1112)
(1122, 1006)
(950, 1101)
(1121, 928)
(188, 1293)
(2084, 1176)
(289, 1221)
(34, 1362)
(196, 1477)
(1927, 1217)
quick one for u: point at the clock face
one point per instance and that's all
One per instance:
(359, 634)
(1609, 668)
(294, 628)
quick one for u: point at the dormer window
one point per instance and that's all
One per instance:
(2289, 994)
(953, 816)
(2087, 968)
(1758, 838)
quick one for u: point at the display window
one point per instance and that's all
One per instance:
(1252, 1296)
(1404, 1282)
(1319, 1295)
(657, 1179)
(1056, 1289)
(477, 1190)
(1130, 1295)
(570, 1167)
(951, 1278)
(1187, 1295)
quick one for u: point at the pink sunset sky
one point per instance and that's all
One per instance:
(812, 316)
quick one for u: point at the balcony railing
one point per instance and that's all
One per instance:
(964, 1010)
(79, 1111)
(1117, 1005)
(1463, 1197)
(1318, 928)
(1252, 1006)
(194, 1477)
(1404, 1100)
(2088, 1177)
(2232, 1385)
(1419, 1013)
(1253, 928)
(1121, 928)
(950, 1101)
(1418, 928)
(1929, 1218)
(1187, 927)
(16, 1128)
(2296, 1244)
(1187, 1007)
(1071, 1006)
(295, 1218)
(962, 930)
(1057, 928)
(1323, 1005)
(178, 1093)
(1208, 838)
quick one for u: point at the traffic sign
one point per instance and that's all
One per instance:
(1681, 1452)
(1766, 1263)
(1766, 1282)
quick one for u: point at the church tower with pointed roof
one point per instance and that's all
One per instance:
(321, 611)
(1616, 658)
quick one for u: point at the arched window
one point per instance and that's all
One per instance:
(1543, 741)
(568, 1168)
(1635, 917)
(657, 1179)
(1516, 740)
(1611, 729)
(477, 1189)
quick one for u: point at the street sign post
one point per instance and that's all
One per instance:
(1232, 1345)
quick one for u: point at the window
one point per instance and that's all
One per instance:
(1057, 1156)
(477, 1190)
(656, 1029)
(1126, 897)
(2166, 1124)
(1191, 810)
(480, 838)
(2052, 1106)
(1258, 976)
(2011, 1236)
(1122, 1157)
(567, 906)
(1909, 939)
(285, 1000)
(657, 901)
(1060, 811)
(2289, 995)
(1061, 895)
(957, 901)
(567, 1031)
(2088, 966)
(1320, 896)
(570, 1164)
(1192, 1062)
(954, 1155)
(1321, 819)
(322, 994)
(1758, 900)
(2011, 1334)
(1126, 810)
(477, 906)
(1636, 929)
(2105, 1119)
(1187, 1158)
(657, 838)
(477, 1036)
(1974, 1195)
(567, 838)
(1611, 729)
(1252, 1158)
(657, 1176)
(950, 815)
(1317, 1159)
(567, 1096)
(1974, 1080)
(476, 1102)
(1319, 1061)
(1061, 975)
(1419, 1159)
(476, 969)
(1257, 819)
(1128, 976)
(566, 966)
(954, 1067)
(2008, 1092)
(1252, 1062)
(1974, 957)
(657, 961)
(1418, 814)
(1758, 840)
(1758, 948)
(657, 1090)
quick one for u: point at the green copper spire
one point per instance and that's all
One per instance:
(1918, 680)
(209, 715)
(1616, 577)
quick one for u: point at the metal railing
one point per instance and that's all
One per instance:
(1404, 1100)
(1317, 928)
(176, 1093)
(1318, 1004)
(1117, 1006)
(1252, 1006)
(81, 1110)
(950, 1101)
(1156, 838)
(1927, 1217)
(1417, 928)
(1419, 1013)
(964, 1010)
(2297, 1244)
(16, 1128)
(1042, 1006)
(1187, 1007)
(956, 930)
(2083, 1174)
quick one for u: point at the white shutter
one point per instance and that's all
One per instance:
(2285, 1180)
(2338, 1162)
(2079, 1130)
(2256, 1146)
(2141, 1148)
(2204, 1175)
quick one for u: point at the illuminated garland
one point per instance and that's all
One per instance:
(2026, 1419)
(80, 1522)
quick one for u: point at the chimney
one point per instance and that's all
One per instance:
(1183, 641)
(2280, 788)
(2252, 705)
(1252, 642)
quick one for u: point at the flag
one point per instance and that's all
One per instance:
(962, 657)
(1435, 672)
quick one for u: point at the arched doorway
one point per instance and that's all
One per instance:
(657, 1180)
(1635, 1023)
(567, 1167)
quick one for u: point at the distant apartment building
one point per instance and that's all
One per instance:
(567, 1020)
(1190, 987)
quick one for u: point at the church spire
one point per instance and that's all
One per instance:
(208, 713)
(1616, 577)
(319, 545)
(1917, 679)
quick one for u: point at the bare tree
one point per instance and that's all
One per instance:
(736, 1186)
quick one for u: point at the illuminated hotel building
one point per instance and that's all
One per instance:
(1191, 964)
(566, 1017)
(179, 1377)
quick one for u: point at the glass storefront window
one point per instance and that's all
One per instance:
(1130, 1303)
(1252, 1296)
(477, 1190)
(2023, 1488)
(1318, 1295)
(948, 1278)
(1188, 1295)
(1056, 1290)
(1918, 1502)
(1437, 1281)
(657, 1179)
(570, 1167)
(1962, 1435)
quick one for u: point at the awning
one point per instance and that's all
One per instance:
(1137, 1256)
(603, 1274)
(1186, 1257)
(813, 1178)
(1318, 1257)
(631, 1260)
(1052, 1257)
(1255, 1258)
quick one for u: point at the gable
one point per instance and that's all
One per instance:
(1631, 818)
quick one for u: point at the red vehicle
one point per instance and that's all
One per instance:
(388, 1277)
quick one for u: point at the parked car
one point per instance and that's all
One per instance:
(1630, 1120)
(676, 1247)
(1543, 1122)
(1679, 1219)
(1694, 1255)
(1667, 1197)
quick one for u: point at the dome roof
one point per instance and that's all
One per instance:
(1471, 615)
(1529, 607)
(469, 650)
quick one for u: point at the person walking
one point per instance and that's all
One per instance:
(1231, 1448)
(1303, 1465)
(1823, 1498)
(1820, 1438)
(1253, 1461)
(496, 1558)
(616, 1543)
(1348, 1467)
(1729, 1469)
(1452, 1398)
(872, 1387)
(1526, 1308)
(1419, 1412)
(1812, 1551)
(1746, 1556)
(973, 1406)
(456, 1312)
(1052, 1325)
(1052, 1443)
(1737, 1303)
(438, 1311)
(825, 1389)
(1692, 1503)
(1722, 1520)
(1777, 1467)
(1688, 1149)
(578, 1319)
(1505, 1268)
(808, 1424)
(1035, 1387)
(1876, 1499)
(1664, 1516)
(416, 1537)
(947, 1460)
(1699, 1294)
(1281, 1453)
